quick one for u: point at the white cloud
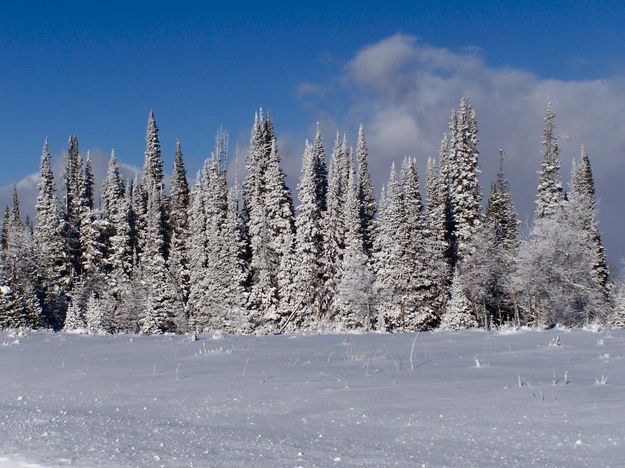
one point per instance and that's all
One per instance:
(404, 90)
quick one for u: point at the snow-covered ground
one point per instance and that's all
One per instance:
(473, 398)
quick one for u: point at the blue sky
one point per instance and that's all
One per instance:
(96, 69)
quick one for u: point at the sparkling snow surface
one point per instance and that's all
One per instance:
(518, 398)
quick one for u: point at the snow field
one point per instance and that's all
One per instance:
(471, 398)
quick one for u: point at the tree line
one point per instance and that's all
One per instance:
(242, 259)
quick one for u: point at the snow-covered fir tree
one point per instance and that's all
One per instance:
(52, 258)
(20, 306)
(95, 317)
(269, 210)
(309, 241)
(178, 261)
(460, 312)
(549, 195)
(73, 183)
(153, 164)
(583, 203)
(91, 231)
(138, 217)
(112, 189)
(391, 268)
(487, 271)
(365, 191)
(216, 296)
(437, 238)
(75, 317)
(464, 171)
(120, 255)
(334, 224)
(354, 301)
(162, 298)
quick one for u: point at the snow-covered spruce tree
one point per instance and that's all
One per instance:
(112, 189)
(334, 225)
(215, 254)
(407, 281)
(437, 239)
(500, 210)
(549, 194)
(5, 228)
(365, 191)
(270, 223)
(617, 317)
(354, 300)
(119, 262)
(554, 281)
(153, 164)
(163, 300)
(486, 273)
(52, 259)
(196, 310)
(583, 205)
(256, 162)
(309, 241)
(138, 216)
(92, 249)
(93, 274)
(425, 274)
(464, 171)
(73, 183)
(459, 313)
(18, 273)
(178, 261)
(233, 263)
(95, 316)
(392, 265)
(276, 228)
(75, 317)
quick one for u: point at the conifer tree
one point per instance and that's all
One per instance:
(178, 261)
(73, 182)
(459, 313)
(153, 164)
(161, 297)
(75, 317)
(138, 216)
(365, 191)
(334, 224)
(112, 189)
(269, 212)
(5, 228)
(20, 306)
(549, 194)
(51, 255)
(464, 171)
(486, 273)
(92, 248)
(216, 295)
(95, 317)
(354, 297)
(119, 259)
(390, 268)
(309, 241)
(582, 197)
(437, 236)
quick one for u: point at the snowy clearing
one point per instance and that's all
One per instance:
(472, 398)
